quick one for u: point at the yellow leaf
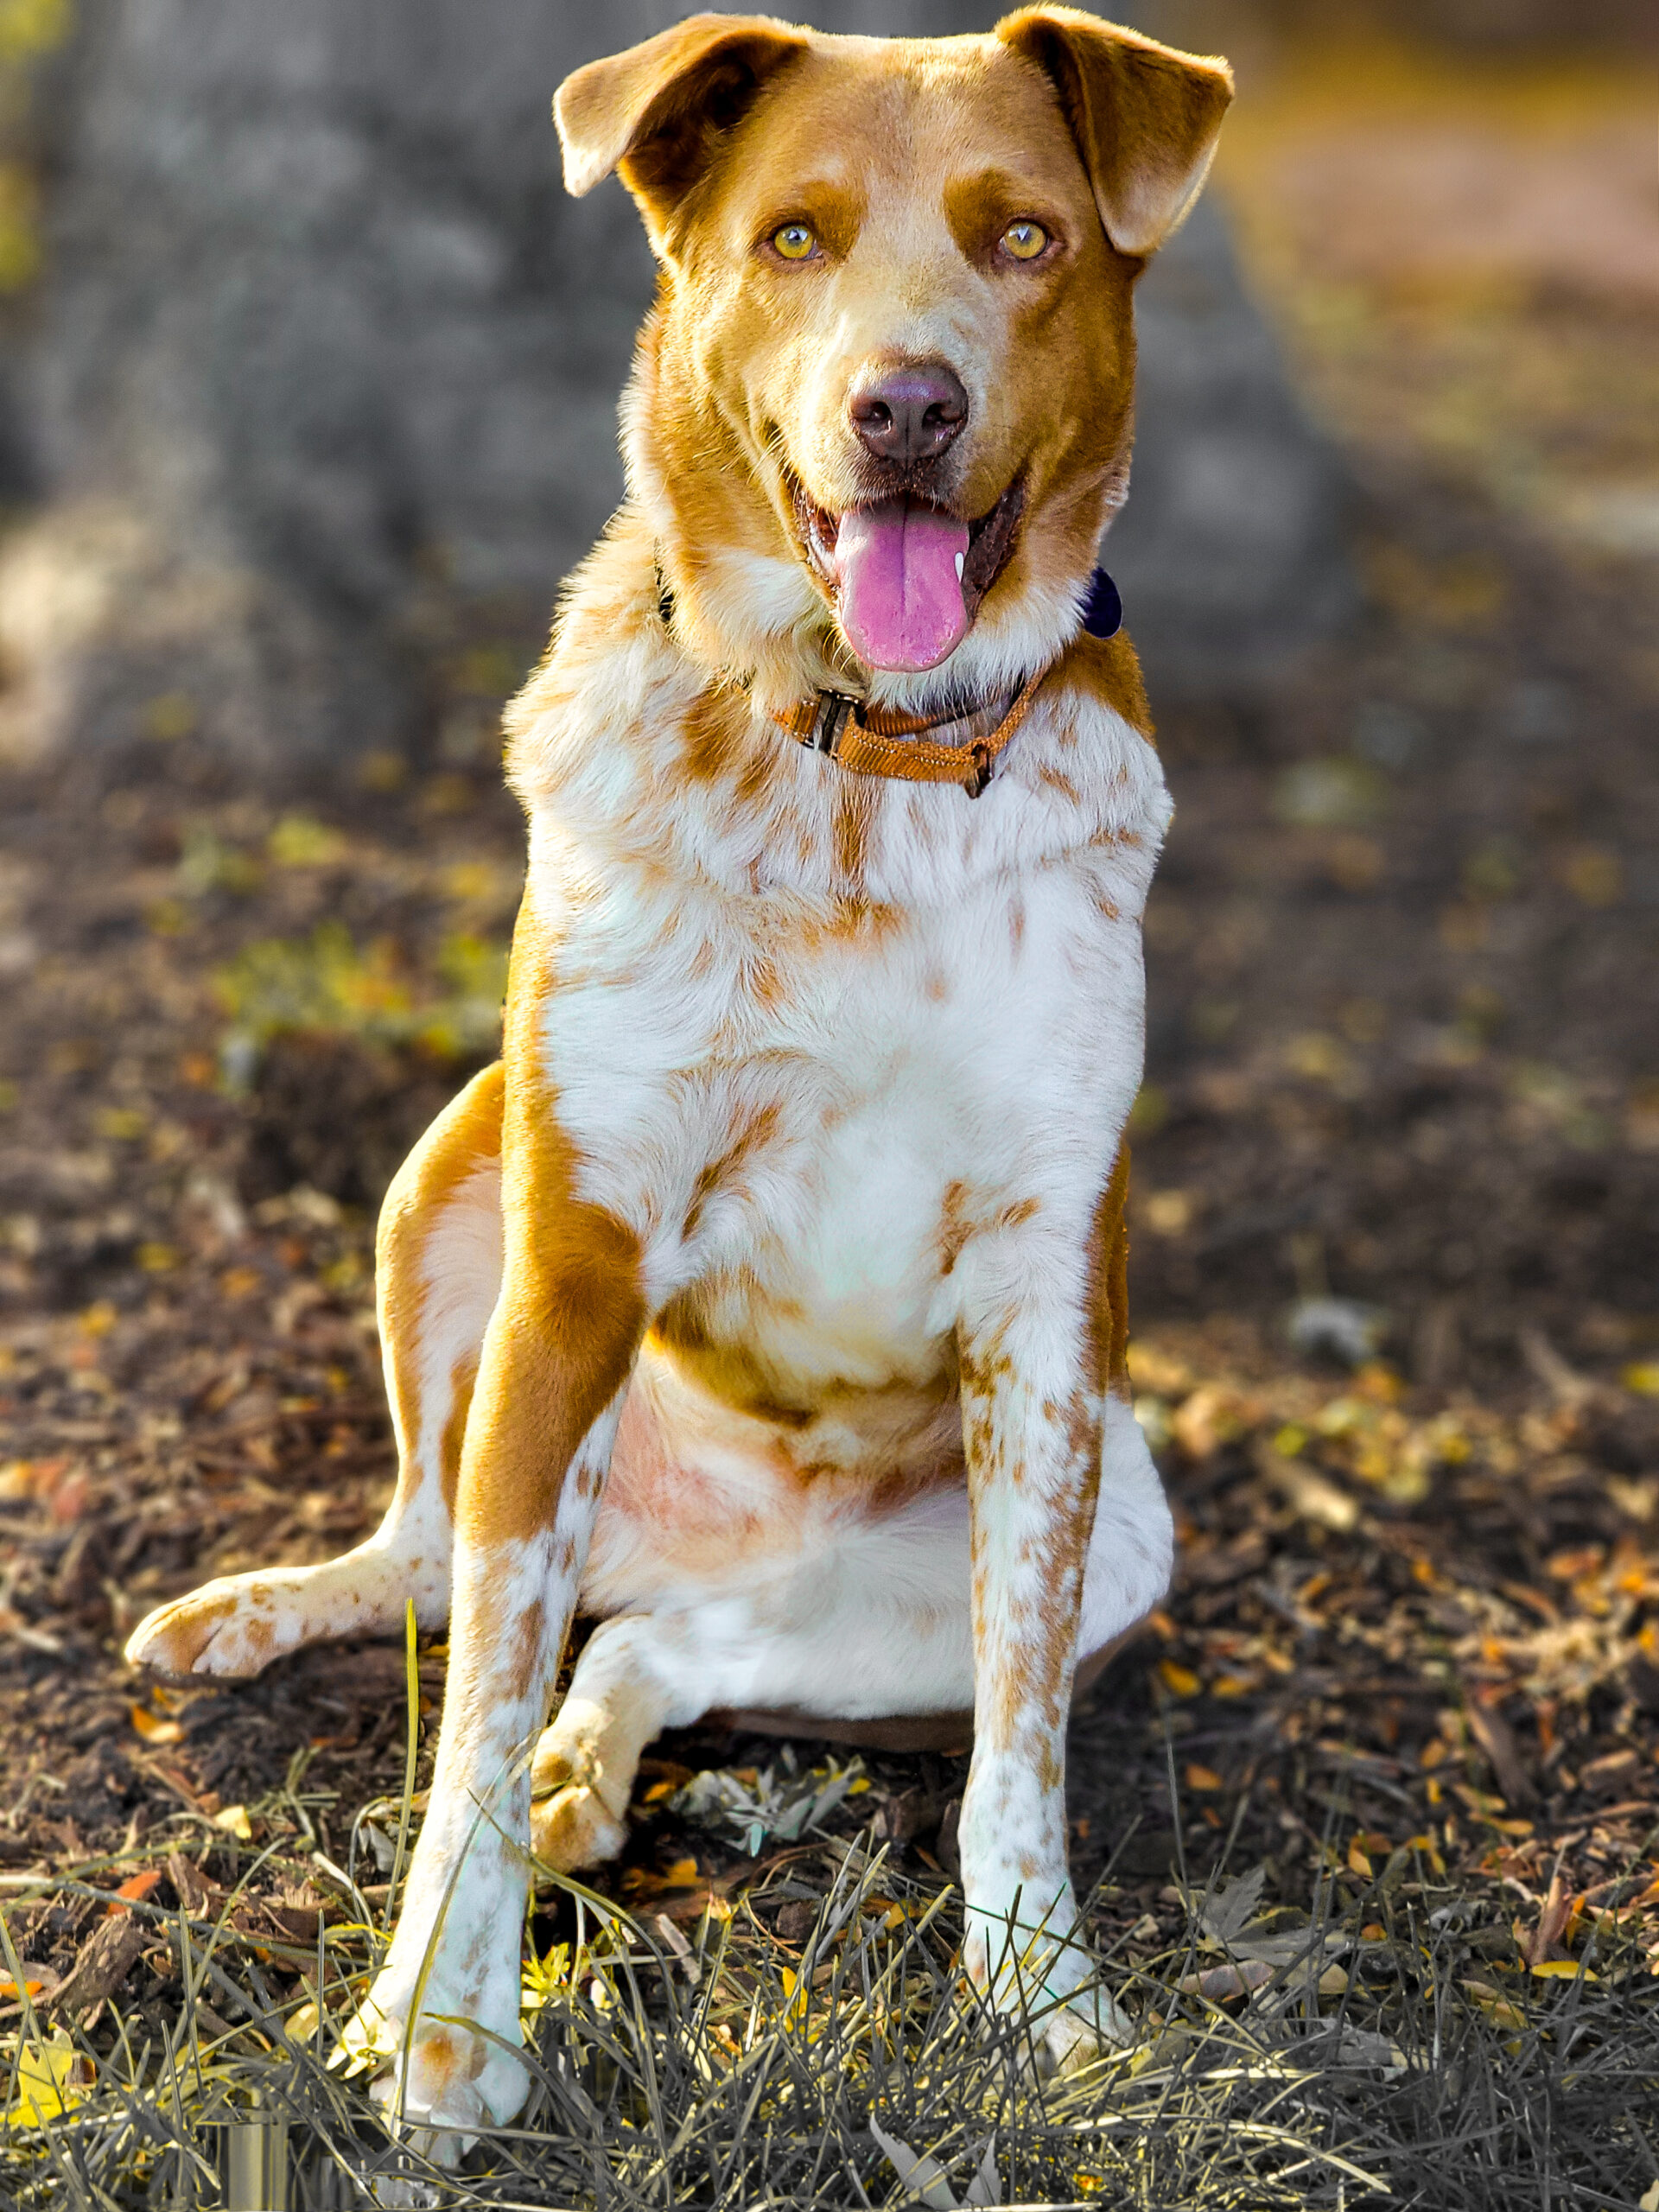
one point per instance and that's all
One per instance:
(299, 842)
(681, 1873)
(1179, 1680)
(153, 1729)
(51, 2076)
(854, 1787)
(1357, 1861)
(120, 1122)
(233, 1819)
(1643, 1379)
(1204, 1777)
(658, 1790)
(302, 2025)
(1561, 1970)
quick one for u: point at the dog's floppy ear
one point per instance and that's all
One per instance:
(1145, 117)
(654, 110)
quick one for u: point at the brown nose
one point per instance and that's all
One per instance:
(911, 414)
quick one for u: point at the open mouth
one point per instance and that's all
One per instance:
(907, 577)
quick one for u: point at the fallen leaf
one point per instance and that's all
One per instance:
(51, 2076)
(1497, 2007)
(1230, 1980)
(134, 1889)
(1545, 1938)
(153, 1729)
(923, 2176)
(1229, 1912)
(1497, 1738)
(188, 1885)
(233, 1819)
(1309, 1494)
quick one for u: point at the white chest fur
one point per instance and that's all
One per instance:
(815, 1099)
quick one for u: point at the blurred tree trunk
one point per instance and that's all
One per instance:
(316, 392)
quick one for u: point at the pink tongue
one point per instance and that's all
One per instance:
(901, 602)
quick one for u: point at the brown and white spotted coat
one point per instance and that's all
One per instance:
(766, 1301)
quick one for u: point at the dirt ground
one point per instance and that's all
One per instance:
(1404, 1055)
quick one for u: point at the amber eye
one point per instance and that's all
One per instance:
(795, 241)
(1025, 239)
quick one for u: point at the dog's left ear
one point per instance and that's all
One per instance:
(1145, 117)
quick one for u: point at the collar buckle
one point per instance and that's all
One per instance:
(835, 710)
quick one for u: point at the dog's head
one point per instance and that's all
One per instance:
(882, 410)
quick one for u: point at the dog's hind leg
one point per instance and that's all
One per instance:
(437, 1274)
(869, 1625)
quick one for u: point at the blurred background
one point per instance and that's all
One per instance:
(308, 373)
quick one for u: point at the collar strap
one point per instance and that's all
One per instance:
(872, 742)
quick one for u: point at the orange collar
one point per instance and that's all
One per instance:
(870, 741)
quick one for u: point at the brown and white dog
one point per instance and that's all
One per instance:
(765, 1300)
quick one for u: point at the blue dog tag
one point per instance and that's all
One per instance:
(1103, 610)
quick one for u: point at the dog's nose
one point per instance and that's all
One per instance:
(910, 414)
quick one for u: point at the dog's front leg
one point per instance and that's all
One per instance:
(553, 1370)
(1037, 1346)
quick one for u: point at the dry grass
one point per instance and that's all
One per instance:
(1372, 2061)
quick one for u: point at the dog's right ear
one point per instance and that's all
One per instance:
(655, 112)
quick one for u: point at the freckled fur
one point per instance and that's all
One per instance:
(767, 1302)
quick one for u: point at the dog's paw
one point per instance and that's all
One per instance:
(574, 1818)
(1081, 2028)
(230, 1629)
(440, 2086)
(1051, 1985)
(574, 1827)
